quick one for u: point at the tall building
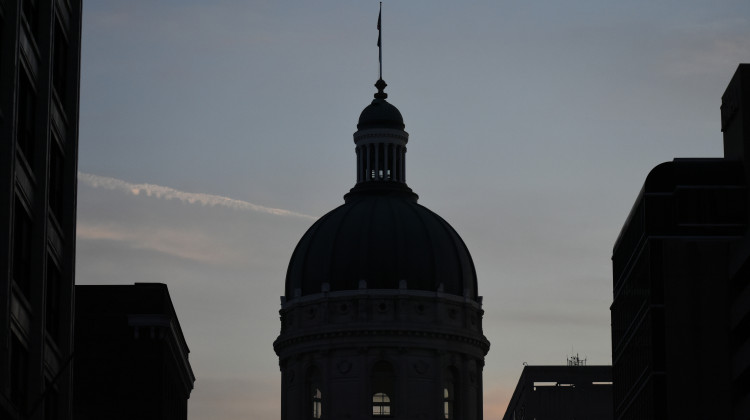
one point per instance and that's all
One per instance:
(381, 316)
(681, 308)
(131, 356)
(39, 75)
(562, 392)
(735, 123)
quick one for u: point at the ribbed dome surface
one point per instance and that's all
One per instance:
(381, 238)
(380, 114)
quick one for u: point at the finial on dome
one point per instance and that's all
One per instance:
(381, 84)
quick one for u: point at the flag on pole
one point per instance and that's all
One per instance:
(381, 11)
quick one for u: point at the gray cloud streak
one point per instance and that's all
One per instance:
(168, 193)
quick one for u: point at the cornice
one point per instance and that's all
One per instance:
(284, 341)
(288, 304)
(378, 135)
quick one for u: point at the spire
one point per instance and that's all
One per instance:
(381, 143)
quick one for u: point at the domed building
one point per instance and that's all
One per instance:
(381, 315)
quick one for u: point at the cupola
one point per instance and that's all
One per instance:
(381, 141)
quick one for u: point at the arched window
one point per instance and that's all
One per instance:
(381, 404)
(383, 390)
(450, 392)
(317, 403)
(314, 394)
(447, 403)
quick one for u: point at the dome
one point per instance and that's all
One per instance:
(380, 114)
(381, 237)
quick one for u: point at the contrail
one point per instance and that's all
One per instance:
(167, 193)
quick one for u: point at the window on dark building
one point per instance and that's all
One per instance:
(19, 366)
(26, 118)
(52, 298)
(315, 395)
(449, 394)
(56, 174)
(22, 248)
(317, 403)
(31, 14)
(2, 53)
(60, 67)
(383, 378)
(447, 403)
(381, 404)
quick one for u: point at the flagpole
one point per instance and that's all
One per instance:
(380, 42)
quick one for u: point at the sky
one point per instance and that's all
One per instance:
(214, 133)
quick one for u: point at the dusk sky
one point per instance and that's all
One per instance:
(214, 133)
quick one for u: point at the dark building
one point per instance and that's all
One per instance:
(131, 357)
(39, 75)
(562, 392)
(681, 275)
(381, 315)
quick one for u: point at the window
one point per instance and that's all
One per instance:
(60, 67)
(26, 118)
(383, 379)
(30, 13)
(22, 248)
(56, 174)
(3, 53)
(381, 404)
(449, 393)
(317, 404)
(315, 395)
(52, 299)
(447, 404)
(19, 365)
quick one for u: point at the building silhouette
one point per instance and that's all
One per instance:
(39, 93)
(381, 315)
(681, 308)
(39, 76)
(131, 356)
(575, 391)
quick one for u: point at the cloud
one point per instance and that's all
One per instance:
(168, 193)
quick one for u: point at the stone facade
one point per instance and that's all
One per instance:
(339, 342)
(381, 316)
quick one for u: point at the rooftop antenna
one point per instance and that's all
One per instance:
(576, 361)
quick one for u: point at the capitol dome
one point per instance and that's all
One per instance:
(385, 239)
(380, 315)
(381, 238)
